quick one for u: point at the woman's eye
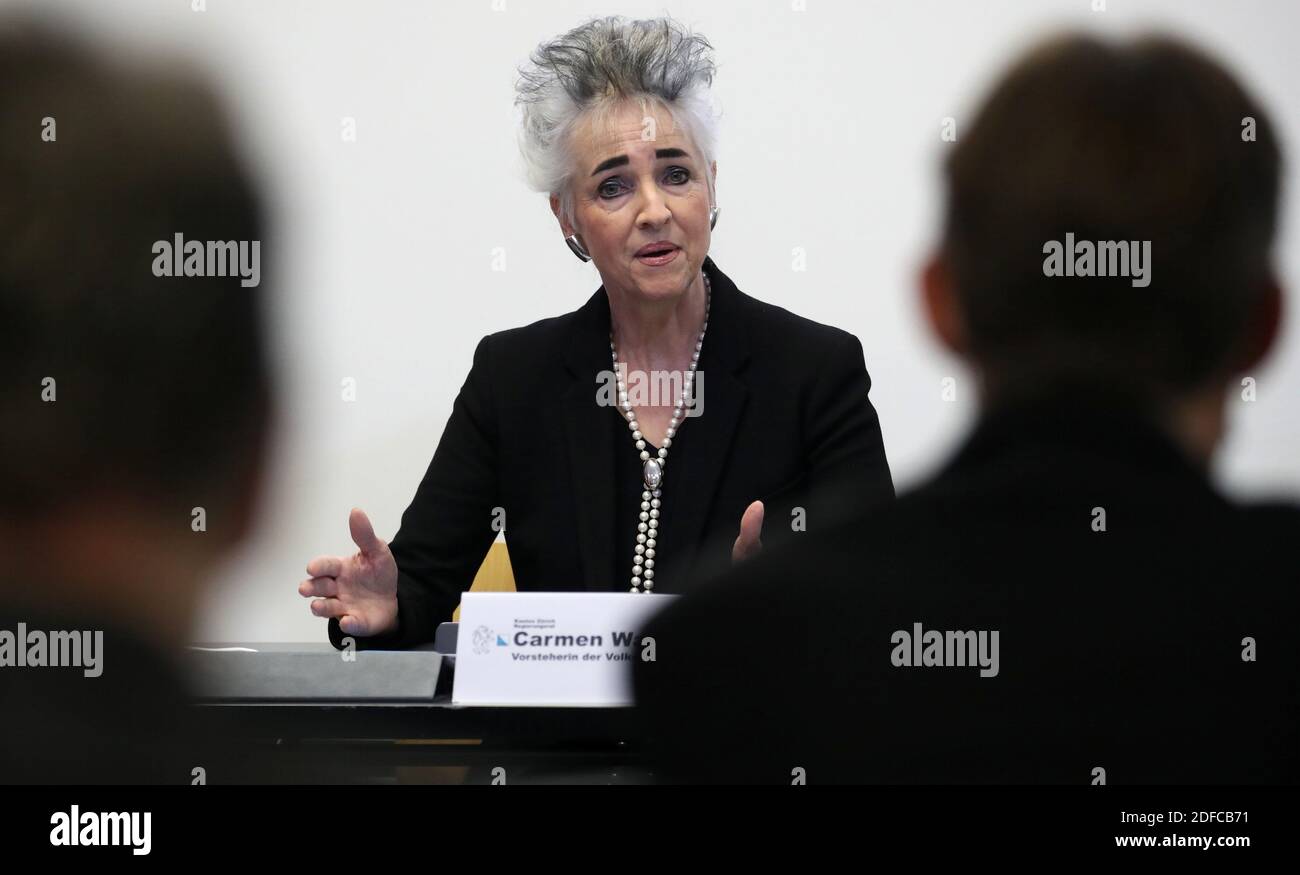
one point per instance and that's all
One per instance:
(613, 187)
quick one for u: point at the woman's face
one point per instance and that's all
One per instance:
(635, 184)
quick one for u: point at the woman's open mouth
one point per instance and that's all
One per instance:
(658, 255)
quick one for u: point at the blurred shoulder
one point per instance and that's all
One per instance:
(1272, 517)
(1266, 533)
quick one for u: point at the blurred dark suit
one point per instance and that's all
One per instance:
(131, 724)
(128, 397)
(1120, 650)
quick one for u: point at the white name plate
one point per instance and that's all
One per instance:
(550, 648)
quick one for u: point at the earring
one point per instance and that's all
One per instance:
(713, 217)
(578, 249)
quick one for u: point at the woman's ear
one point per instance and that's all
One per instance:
(555, 209)
(939, 300)
(559, 215)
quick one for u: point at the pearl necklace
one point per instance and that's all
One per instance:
(652, 470)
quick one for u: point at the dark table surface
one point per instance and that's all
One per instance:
(429, 742)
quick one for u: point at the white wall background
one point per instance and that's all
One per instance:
(829, 141)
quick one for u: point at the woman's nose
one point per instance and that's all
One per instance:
(654, 210)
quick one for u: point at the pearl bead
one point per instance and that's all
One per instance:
(640, 444)
(655, 503)
(649, 563)
(649, 574)
(633, 589)
(670, 432)
(656, 492)
(640, 539)
(636, 581)
(637, 560)
(650, 547)
(645, 454)
(668, 442)
(641, 527)
(636, 435)
(650, 554)
(644, 516)
(654, 514)
(632, 426)
(645, 505)
(645, 494)
(649, 585)
(663, 452)
(640, 548)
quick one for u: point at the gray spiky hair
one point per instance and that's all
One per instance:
(588, 72)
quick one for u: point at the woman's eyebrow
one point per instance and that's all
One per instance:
(620, 160)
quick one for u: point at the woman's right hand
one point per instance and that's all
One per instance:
(361, 589)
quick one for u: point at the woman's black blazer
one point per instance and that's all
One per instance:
(786, 419)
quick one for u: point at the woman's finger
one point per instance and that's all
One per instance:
(328, 608)
(322, 587)
(325, 566)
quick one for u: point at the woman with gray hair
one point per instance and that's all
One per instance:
(562, 430)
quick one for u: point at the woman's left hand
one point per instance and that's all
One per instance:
(748, 543)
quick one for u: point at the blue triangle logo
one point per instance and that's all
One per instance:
(501, 642)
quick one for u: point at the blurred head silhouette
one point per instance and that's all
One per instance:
(1110, 211)
(135, 406)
